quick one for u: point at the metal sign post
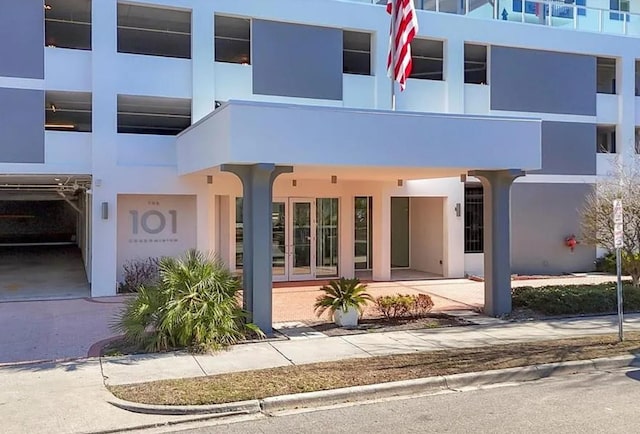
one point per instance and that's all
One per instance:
(618, 243)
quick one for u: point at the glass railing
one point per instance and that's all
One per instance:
(553, 13)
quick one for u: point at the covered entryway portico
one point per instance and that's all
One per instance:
(261, 143)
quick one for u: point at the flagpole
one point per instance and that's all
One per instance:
(393, 95)
(392, 50)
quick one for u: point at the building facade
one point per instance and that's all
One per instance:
(132, 125)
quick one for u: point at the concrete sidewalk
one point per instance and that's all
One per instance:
(70, 397)
(314, 347)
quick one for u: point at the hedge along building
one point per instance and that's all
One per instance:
(169, 122)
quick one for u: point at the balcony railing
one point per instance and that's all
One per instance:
(552, 13)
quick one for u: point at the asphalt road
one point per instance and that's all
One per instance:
(585, 403)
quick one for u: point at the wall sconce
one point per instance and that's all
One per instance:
(105, 210)
(334, 179)
(458, 209)
(294, 183)
(400, 182)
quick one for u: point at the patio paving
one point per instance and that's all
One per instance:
(296, 303)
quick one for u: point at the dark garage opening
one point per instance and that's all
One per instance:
(44, 239)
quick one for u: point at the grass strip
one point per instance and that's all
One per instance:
(264, 383)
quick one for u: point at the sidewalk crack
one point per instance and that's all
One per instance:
(199, 365)
(282, 354)
(357, 346)
(104, 377)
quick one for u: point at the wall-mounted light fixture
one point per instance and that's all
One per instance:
(334, 179)
(105, 210)
(400, 182)
(458, 209)
(294, 183)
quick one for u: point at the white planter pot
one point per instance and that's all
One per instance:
(348, 318)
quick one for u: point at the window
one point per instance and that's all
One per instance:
(475, 64)
(327, 237)
(606, 136)
(356, 54)
(153, 115)
(560, 8)
(428, 58)
(232, 40)
(239, 235)
(68, 111)
(67, 24)
(154, 31)
(637, 140)
(473, 219)
(619, 5)
(362, 249)
(606, 74)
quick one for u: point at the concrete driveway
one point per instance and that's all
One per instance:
(55, 329)
(42, 273)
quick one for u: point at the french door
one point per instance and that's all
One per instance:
(305, 238)
(302, 241)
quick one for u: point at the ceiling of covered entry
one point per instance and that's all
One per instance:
(42, 187)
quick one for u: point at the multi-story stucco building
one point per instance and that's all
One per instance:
(128, 129)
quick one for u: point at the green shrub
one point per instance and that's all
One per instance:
(575, 299)
(606, 263)
(404, 305)
(137, 273)
(194, 305)
(422, 305)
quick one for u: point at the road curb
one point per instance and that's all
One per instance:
(230, 409)
(386, 390)
(355, 393)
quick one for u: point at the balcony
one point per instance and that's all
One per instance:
(567, 14)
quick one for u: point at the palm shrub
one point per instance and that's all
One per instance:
(194, 305)
(341, 294)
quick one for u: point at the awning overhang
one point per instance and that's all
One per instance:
(241, 132)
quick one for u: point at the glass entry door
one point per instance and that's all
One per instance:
(280, 239)
(305, 238)
(302, 245)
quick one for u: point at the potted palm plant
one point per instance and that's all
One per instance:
(344, 299)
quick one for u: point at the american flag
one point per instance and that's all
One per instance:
(404, 26)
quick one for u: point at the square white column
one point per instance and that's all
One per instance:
(202, 60)
(626, 87)
(382, 236)
(104, 34)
